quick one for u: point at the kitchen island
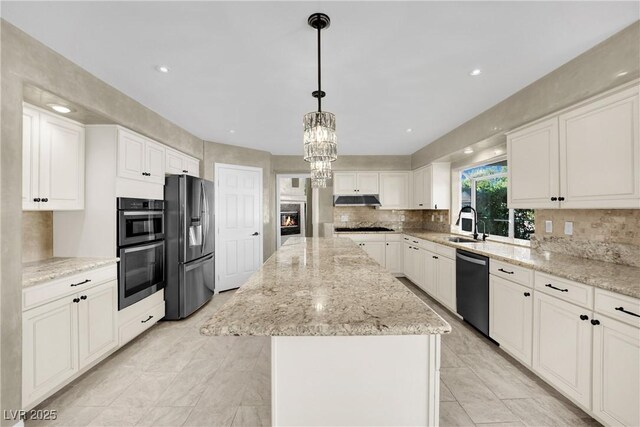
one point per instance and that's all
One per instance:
(350, 345)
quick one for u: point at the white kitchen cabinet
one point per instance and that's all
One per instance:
(97, 323)
(192, 166)
(375, 250)
(49, 347)
(562, 346)
(140, 158)
(446, 282)
(349, 183)
(407, 261)
(393, 257)
(616, 372)
(53, 162)
(177, 163)
(394, 190)
(585, 157)
(430, 273)
(432, 187)
(511, 317)
(600, 153)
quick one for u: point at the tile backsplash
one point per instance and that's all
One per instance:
(364, 216)
(37, 235)
(611, 235)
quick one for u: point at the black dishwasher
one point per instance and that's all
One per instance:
(472, 289)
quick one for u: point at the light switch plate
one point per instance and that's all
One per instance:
(548, 226)
(344, 218)
(568, 228)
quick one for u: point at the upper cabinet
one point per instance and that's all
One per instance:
(586, 157)
(178, 163)
(432, 187)
(140, 158)
(394, 190)
(52, 161)
(349, 183)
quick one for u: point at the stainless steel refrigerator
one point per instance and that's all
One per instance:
(189, 242)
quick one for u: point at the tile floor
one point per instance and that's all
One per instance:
(173, 376)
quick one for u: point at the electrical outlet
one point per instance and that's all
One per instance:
(568, 228)
(548, 226)
(344, 218)
(433, 218)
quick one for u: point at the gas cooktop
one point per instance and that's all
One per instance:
(361, 229)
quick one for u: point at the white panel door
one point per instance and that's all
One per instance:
(174, 163)
(30, 157)
(533, 172)
(97, 324)
(61, 164)
(239, 224)
(375, 250)
(417, 200)
(394, 190)
(393, 257)
(131, 156)
(344, 183)
(616, 372)
(367, 183)
(154, 155)
(446, 283)
(511, 317)
(49, 347)
(600, 153)
(562, 346)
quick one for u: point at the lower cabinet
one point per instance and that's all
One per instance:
(97, 322)
(616, 372)
(562, 345)
(446, 282)
(375, 250)
(393, 257)
(511, 317)
(430, 273)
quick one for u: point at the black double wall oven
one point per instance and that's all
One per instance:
(140, 249)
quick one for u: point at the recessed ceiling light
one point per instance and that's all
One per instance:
(232, 131)
(622, 73)
(468, 150)
(162, 68)
(59, 108)
(475, 72)
(409, 130)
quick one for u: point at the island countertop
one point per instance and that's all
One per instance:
(323, 287)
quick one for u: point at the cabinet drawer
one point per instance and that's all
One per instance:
(141, 323)
(363, 237)
(422, 243)
(517, 274)
(621, 307)
(446, 251)
(564, 289)
(39, 294)
(393, 237)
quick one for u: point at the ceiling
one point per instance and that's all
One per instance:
(250, 67)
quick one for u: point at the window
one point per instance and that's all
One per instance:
(485, 189)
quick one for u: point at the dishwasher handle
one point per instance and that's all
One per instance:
(469, 259)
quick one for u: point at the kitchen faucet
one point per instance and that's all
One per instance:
(475, 223)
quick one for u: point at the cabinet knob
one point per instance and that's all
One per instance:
(527, 294)
(419, 204)
(45, 200)
(554, 199)
(434, 257)
(584, 317)
(185, 171)
(595, 322)
(37, 199)
(76, 300)
(435, 206)
(561, 199)
(387, 244)
(83, 297)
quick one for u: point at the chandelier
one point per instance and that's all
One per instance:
(320, 147)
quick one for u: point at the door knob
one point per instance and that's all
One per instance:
(255, 234)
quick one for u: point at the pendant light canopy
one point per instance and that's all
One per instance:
(320, 147)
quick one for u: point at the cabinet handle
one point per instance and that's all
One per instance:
(584, 317)
(83, 297)
(419, 204)
(76, 300)
(561, 199)
(595, 322)
(628, 312)
(45, 200)
(415, 241)
(406, 238)
(434, 257)
(148, 318)
(184, 170)
(410, 247)
(37, 199)
(527, 294)
(549, 285)
(435, 206)
(416, 249)
(505, 271)
(80, 283)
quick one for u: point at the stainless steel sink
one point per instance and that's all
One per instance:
(461, 240)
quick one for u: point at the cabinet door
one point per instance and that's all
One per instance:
(154, 161)
(393, 257)
(418, 201)
(440, 186)
(431, 273)
(511, 317)
(49, 347)
(344, 183)
(616, 372)
(533, 172)
(427, 183)
(562, 346)
(600, 154)
(375, 250)
(97, 326)
(394, 190)
(131, 156)
(61, 184)
(407, 260)
(192, 167)
(175, 163)
(367, 183)
(30, 156)
(417, 264)
(446, 282)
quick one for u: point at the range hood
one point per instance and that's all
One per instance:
(359, 200)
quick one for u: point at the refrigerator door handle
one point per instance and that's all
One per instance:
(195, 264)
(205, 216)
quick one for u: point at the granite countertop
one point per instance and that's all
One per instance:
(34, 273)
(367, 232)
(617, 278)
(323, 287)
